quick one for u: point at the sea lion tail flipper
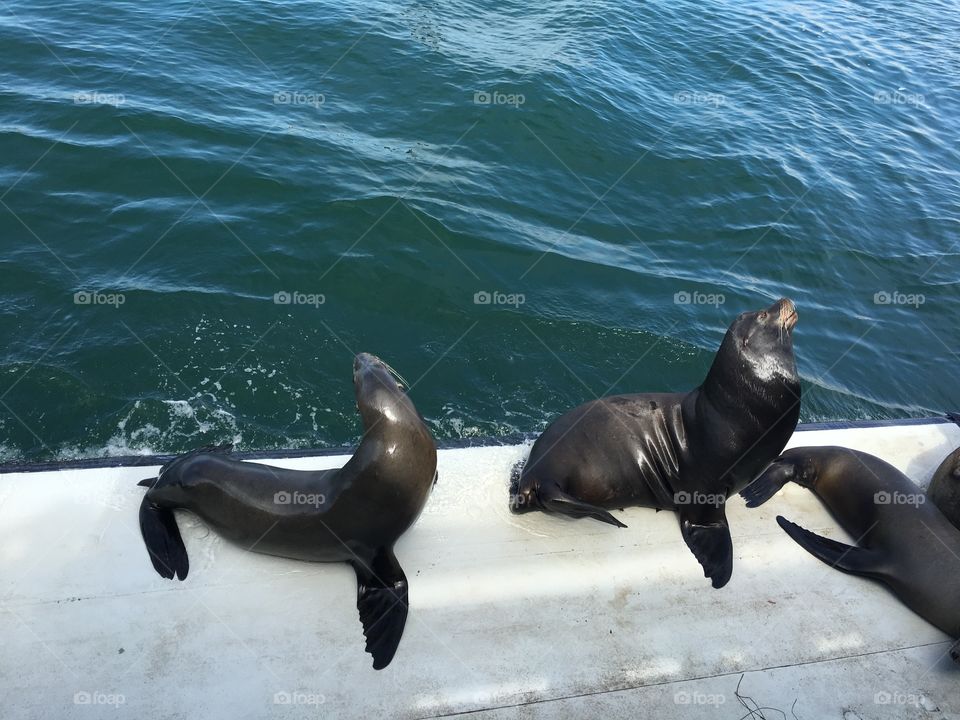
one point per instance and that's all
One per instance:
(158, 526)
(556, 500)
(768, 483)
(847, 558)
(382, 601)
(707, 534)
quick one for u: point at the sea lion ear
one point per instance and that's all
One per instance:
(768, 484)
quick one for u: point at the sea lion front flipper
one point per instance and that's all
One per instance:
(846, 558)
(707, 534)
(556, 500)
(768, 483)
(382, 602)
(158, 526)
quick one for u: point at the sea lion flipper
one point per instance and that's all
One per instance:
(768, 483)
(556, 500)
(382, 601)
(158, 526)
(847, 558)
(707, 534)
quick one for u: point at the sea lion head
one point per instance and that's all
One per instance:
(758, 348)
(525, 499)
(944, 489)
(753, 390)
(381, 392)
(176, 482)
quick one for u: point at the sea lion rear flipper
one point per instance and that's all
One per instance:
(847, 558)
(162, 537)
(382, 602)
(707, 534)
(556, 500)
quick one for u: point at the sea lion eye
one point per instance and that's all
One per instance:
(763, 315)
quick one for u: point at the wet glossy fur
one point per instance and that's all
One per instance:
(685, 452)
(353, 514)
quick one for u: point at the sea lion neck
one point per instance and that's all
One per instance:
(737, 379)
(724, 383)
(382, 410)
(381, 402)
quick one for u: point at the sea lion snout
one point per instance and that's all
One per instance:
(367, 366)
(785, 312)
(366, 360)
(370, 373)
(523, 501)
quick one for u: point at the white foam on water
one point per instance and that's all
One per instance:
(10, 454)
(186, 419)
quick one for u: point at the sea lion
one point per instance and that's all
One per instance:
(685, 452)
(353, 514)
(902, 540)
(944, 488)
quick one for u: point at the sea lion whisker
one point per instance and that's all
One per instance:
(404, 385)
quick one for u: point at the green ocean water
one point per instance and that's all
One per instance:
(620, 180)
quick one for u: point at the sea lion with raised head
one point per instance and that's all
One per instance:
(685, 452)
(903, 541)
(353, 514)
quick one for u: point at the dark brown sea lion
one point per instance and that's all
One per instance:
(353, 514)
(903, 540)
(685, 452)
